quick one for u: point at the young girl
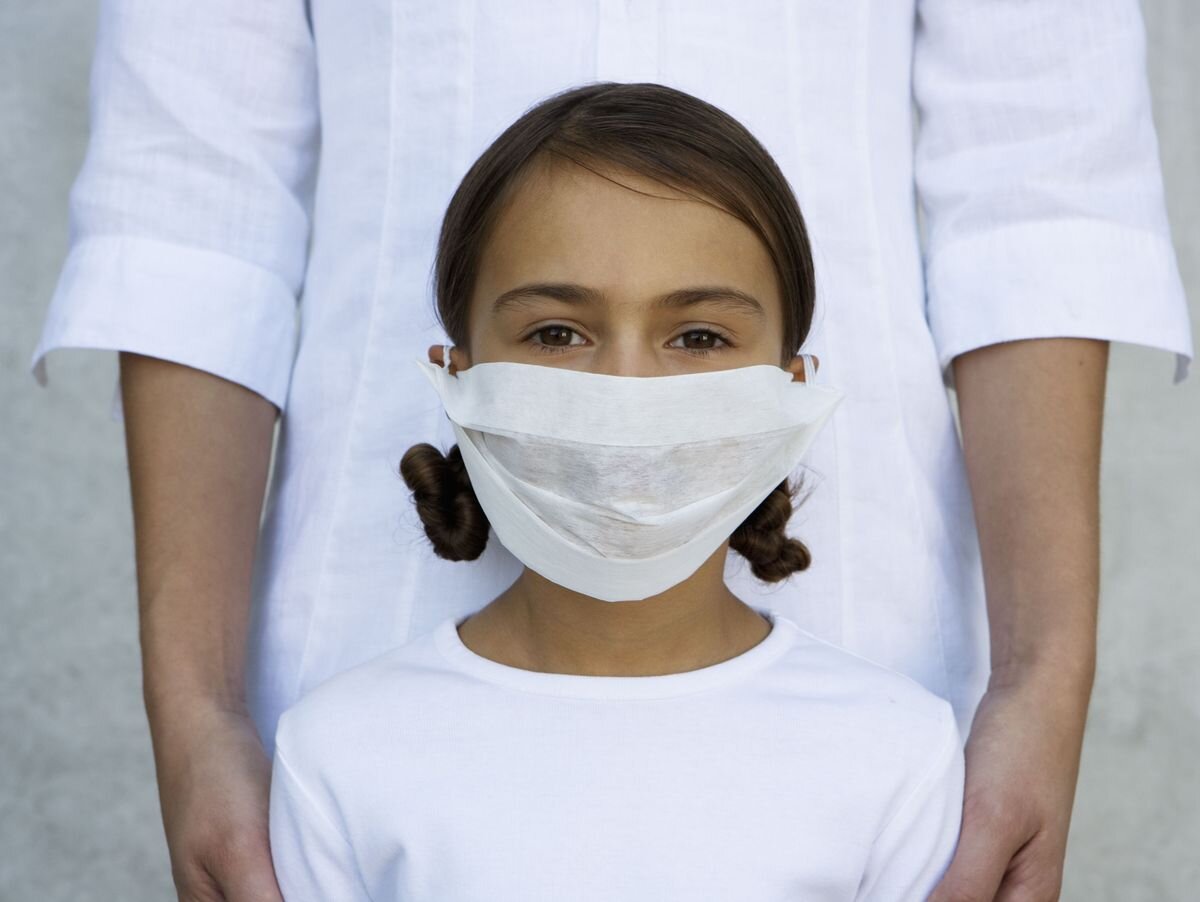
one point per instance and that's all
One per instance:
(625, 275)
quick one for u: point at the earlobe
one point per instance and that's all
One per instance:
(441, 356)
(797, 366)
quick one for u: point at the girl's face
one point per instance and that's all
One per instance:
(590, 275)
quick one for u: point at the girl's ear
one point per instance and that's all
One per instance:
(796, 367)
(437, 355)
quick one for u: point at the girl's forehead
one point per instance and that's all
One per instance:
(614, 227)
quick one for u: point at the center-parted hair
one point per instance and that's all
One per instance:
(660, 133)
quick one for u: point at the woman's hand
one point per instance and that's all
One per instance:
(214, 787)
(1022, 763)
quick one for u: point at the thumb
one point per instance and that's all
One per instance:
(250, 876)
(980, 860)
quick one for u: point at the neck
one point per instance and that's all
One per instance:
(538, 625)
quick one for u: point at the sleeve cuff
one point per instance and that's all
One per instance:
(202, 308)
(1058, 279)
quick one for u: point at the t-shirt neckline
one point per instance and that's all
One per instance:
(782, 635)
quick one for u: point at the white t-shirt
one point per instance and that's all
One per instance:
(794, 771)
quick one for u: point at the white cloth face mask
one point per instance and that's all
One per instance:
(619, 487)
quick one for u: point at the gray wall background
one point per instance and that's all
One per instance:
(79, 815)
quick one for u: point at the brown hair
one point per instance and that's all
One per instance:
(661, 133)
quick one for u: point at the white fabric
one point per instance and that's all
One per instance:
(198, 217)
(792, 771)
(619, 487)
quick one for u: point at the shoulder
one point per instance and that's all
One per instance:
(348, 707)
(867, 697)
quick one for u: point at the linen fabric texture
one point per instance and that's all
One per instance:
(969, 174)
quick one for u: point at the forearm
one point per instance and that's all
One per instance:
(199, 450)
(1031, 414)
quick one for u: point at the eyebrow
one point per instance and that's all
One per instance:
(721, 295)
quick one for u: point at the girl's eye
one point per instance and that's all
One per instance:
(707, 345)
(554, 346)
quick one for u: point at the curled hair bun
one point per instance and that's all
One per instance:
(458, 528)
(763, 541)
(453, 518)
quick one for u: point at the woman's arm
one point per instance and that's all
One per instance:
(1031, 414)
(199, 449)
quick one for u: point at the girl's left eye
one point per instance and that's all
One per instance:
(711, 336)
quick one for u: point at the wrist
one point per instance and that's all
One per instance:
(1069, 675)
(1058, 651)
(167, 704)
(188, 669)
(180, 722)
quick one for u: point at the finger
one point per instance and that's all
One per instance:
(986, 845)
(1035, 874)
(1025, 893)
(256, 886)
(193, 883)
(248, 875)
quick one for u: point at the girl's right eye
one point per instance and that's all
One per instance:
(551, 348)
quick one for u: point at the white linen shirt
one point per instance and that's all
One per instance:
(265, 181)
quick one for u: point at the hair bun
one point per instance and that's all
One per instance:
(763, 541)
(453, 519)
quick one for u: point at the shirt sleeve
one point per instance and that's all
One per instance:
(915, 846)
(1038, 175)
(311, 857)
(190, 215)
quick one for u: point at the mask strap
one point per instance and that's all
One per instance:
(446, 367)
(810, 371)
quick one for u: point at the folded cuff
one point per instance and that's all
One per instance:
(1059, 279)
(202, 308)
